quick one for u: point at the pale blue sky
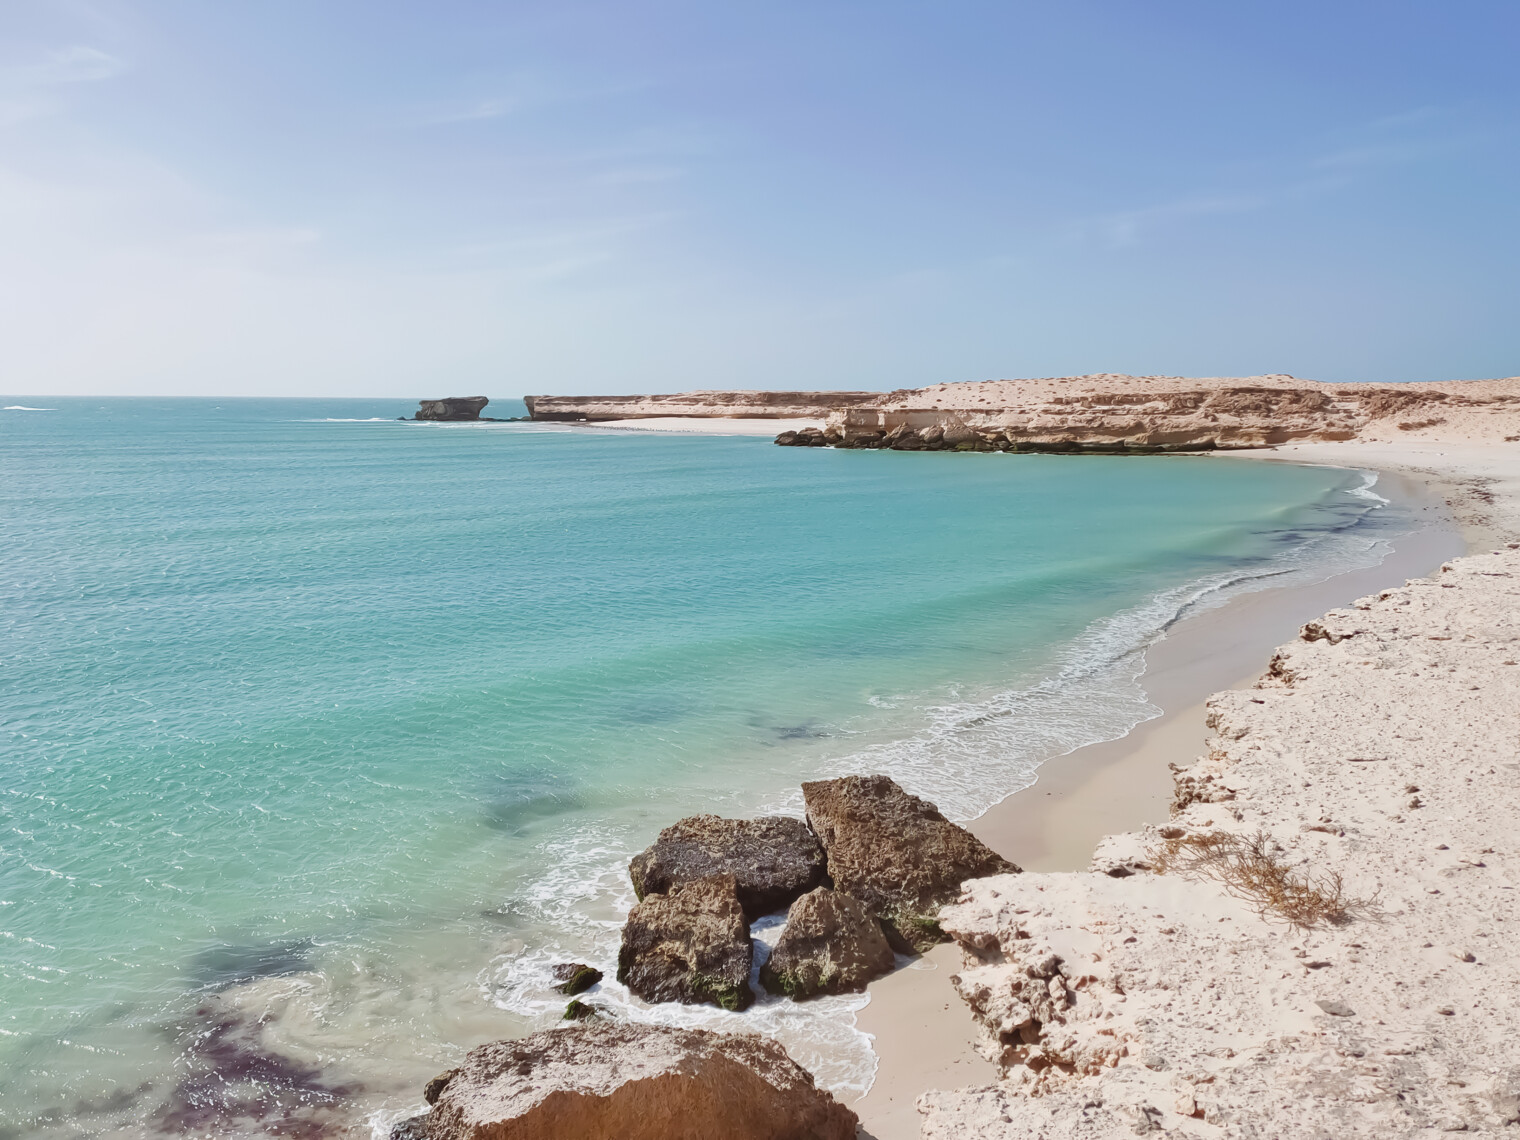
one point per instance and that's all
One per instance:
(340, 198)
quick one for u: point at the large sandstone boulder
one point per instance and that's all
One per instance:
(773, 860)
(621, 1081)
(452, 408)
(832, 944)
(896, 853)
(691, 945)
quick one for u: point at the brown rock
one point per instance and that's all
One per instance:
(621, 1081)
(691, 945)
(773, 860)
(452, 408)
(896, 853)
(832, 944)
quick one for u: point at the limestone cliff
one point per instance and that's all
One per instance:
(1095, 413)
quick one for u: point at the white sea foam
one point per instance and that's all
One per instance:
(1365, 491)
(24, 408)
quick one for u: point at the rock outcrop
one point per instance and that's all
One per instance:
(622, 1081)
(571, 978)
(831, 944)
(1371, 773)
(454, 408)
(704, 405)
(1105, 413)
(773, 860)
(896, 853)
(691, 945)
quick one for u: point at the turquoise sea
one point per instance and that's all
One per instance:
(322, 736)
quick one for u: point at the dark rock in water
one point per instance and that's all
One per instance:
(434, 1088)
(691, 945)
(896, 853)
(773, 860)
(787, 439)
(832, 944)
(412, 1128)
(575, 977)
(623, 1081)
(453, 408)
(578, 1010)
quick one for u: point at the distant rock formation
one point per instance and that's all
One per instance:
(691, 945)
(1105, 413)
(730, 405)
(831, 945)
(896, 853)
(773, 860)
(622, 1081)
(454, 408)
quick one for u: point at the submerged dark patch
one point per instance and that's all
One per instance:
(235, 1082)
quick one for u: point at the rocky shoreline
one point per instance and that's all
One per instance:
(1104, 414)
(865, 875)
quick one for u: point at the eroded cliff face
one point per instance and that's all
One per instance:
(1375, 760)
(701, 405)
(1095, 413)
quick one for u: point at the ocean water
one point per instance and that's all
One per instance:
(323, 736)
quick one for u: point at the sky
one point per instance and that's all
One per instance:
(377, 198)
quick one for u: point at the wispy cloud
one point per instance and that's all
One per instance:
(77, 63)
(1128, 227)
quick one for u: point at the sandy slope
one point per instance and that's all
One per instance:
(1383, 748)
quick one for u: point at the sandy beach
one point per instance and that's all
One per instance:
(1465, 495)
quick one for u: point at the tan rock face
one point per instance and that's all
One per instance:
(832, 944)
(1379, 747)
(1104, 413)
(691, 945)
(896, 853)
(773, 860)
(622, 1081)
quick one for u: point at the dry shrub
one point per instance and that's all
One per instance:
(1250, 868)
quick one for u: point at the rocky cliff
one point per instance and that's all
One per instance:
(701, 405)
(451, 408)
(1095, 413)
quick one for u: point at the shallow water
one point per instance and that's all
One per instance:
(322, 736)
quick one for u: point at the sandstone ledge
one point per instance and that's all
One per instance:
(1381, 747)
(1104, 413)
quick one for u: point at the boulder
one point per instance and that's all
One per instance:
(773, 860)
(896, 853)
(831, 945)
(452, 408)
(956, 433)
(787, 439)
(572, 978)
(623, 1081)
(691, 945)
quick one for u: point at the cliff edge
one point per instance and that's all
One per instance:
(1105, 412)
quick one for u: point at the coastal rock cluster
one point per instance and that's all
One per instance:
(891, 859)
(1319, 942)
(871, 863)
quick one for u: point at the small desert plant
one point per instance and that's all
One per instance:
(1250, 868)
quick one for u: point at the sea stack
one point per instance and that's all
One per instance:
(453, 408)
